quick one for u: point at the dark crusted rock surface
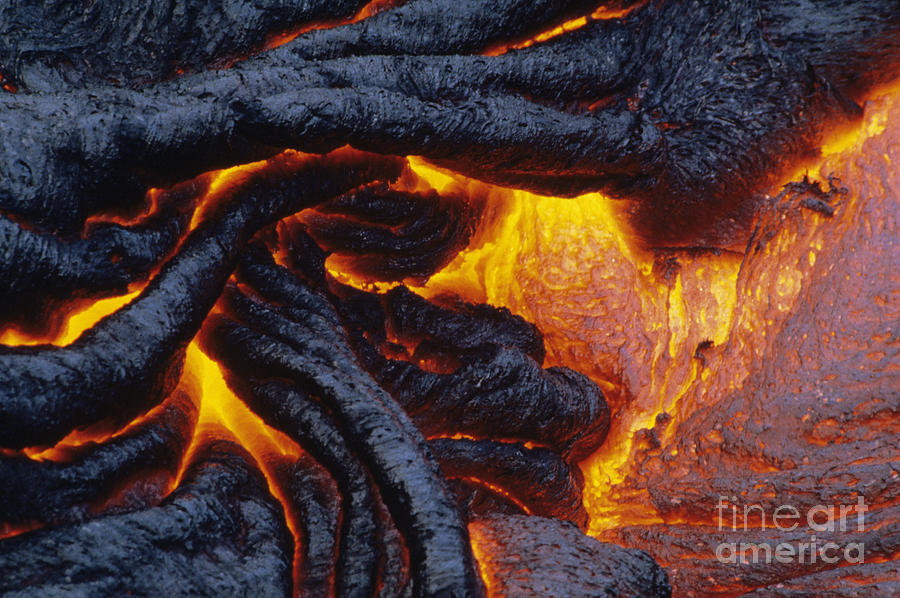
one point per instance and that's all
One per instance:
(690, 112)
(134, 468)
(534, 556)
(220, 533)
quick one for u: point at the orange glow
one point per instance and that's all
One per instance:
(77, 438)
(66, 448)
(150, 206)
(628, 318)
(500, 491)
(848, 139)
(82, 318)
(7, 85)
(219, 405)
(222, 181)
(600, 14)
(221, 409)
(8, 531)
(372, 8)
(481, 557)
(219, 181)
(458, 436)
(79, 314)
(333, 264)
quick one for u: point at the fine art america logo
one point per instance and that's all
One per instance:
(823, 519)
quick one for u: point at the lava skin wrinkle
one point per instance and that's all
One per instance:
(313, 494)
(495, 386)
(461, 328)
(69, 487)
(45, 392)
(226, 533)
(537, 478)
(313, 353)
(39, 271)
(288, 409)
(503, 393)
(386, 234)
(370, 552)
(71, 45)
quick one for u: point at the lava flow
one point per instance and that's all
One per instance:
(667, 333)
(673, 334)
(517, 298)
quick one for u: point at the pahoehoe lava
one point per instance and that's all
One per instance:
(222, 160)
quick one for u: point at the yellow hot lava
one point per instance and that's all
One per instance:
(369, 9)
(76, 322)
(637, 322)
(606, 307)
(598, 14)
(645, 326)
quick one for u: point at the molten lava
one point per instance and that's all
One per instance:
(668, 334)
(764, 377)
(372, 8)
(600, 13)
(76, 322)
(223, 415)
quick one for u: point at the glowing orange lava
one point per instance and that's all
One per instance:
(478, 551)
(76, 322)
(223, 415)
(571, 267)
(659, 332)
(372, 8)
(638, 323)
(7, 85)
(599, 14)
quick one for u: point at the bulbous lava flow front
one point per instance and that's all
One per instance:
(768, 378)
